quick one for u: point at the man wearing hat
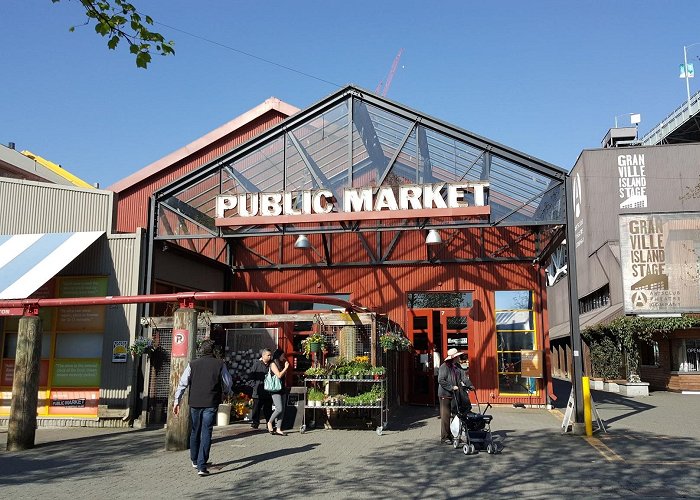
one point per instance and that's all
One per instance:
(207, 377)
(451, 378)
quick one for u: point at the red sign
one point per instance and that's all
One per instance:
(7, 372)
(180, 342)
(12, 311)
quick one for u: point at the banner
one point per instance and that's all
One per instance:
(660, 261)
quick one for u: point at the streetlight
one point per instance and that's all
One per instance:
(687, 72)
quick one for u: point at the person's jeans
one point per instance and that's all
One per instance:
(200, 437)
(278, 414)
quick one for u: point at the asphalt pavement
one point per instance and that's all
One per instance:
(651, 450)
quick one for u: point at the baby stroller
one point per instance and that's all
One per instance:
(472, 430)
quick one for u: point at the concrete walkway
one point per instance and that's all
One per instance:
(652, 449)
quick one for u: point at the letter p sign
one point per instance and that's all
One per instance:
(180, 341)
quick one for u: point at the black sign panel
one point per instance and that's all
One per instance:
(70, 403)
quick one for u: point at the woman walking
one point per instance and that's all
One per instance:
(278, 367)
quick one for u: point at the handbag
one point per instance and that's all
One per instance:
(272, 383)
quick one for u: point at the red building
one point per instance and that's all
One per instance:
(358, 197)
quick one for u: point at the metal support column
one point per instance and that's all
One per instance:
(575, 329)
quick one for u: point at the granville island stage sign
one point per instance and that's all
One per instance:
(367, 203)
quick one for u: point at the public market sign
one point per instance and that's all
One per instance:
(367, 203)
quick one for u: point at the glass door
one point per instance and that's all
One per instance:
(457, 329)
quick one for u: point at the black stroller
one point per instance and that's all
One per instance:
(474, 430)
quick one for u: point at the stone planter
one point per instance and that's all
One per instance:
(634, 389)
(597, 384)
(611, 387)
(223, 415)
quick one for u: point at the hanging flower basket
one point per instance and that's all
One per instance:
(394, 342)
(313, 343)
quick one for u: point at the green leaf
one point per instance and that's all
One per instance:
(113, 42)
(102, 28)
(142, 59)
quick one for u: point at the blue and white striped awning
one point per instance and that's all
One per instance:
(27, 261)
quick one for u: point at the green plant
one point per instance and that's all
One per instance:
(315, 395)
(314, 338)
(378, 370)
(315, 372)
(394, 342)
(142, 345)
(611, 342)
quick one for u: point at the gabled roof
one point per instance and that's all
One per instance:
(271, 104)
(356, 138)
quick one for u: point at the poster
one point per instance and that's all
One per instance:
(120, 349)
(76, 373)
(531, 363)
(660, 261)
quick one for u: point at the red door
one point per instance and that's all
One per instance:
(422, 371)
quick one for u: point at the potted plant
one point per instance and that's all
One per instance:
(313, 343)
(315, 396)
(315, 372)
(394, 342)
(378, 372)
(141, 346)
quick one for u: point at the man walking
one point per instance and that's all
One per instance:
(262, 400)
(206, 377)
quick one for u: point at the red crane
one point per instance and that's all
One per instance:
(387, 83)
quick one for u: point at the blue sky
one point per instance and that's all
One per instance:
(544, 77)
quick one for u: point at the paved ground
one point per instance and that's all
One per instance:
(652, 449)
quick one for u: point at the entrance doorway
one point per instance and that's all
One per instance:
(433, 332)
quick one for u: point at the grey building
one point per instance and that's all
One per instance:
(637, 244)
(57, 241)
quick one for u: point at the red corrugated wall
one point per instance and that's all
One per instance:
(383, 288)
(132, 205)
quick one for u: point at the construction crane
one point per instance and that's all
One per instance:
(384, 85)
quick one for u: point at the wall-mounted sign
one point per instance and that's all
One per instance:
(632, 181)
(76, 373)
(68, 403)
(119, 351)
(180, 342)
(660, 260)
(531, 363)
(409, 201)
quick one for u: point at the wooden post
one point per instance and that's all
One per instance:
(177, 435)
(21, 429)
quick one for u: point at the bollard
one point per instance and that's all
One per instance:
(586, 386)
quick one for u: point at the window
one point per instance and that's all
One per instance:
(685, 355)
(649, 353)
(315, 306)
(515, 331)
(599, 298)
(438, 300)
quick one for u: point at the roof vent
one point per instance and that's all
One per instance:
(11, 145)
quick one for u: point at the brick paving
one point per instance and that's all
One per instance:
(651, 450)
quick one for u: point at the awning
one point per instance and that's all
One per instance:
(27, 261)
(590, 318)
